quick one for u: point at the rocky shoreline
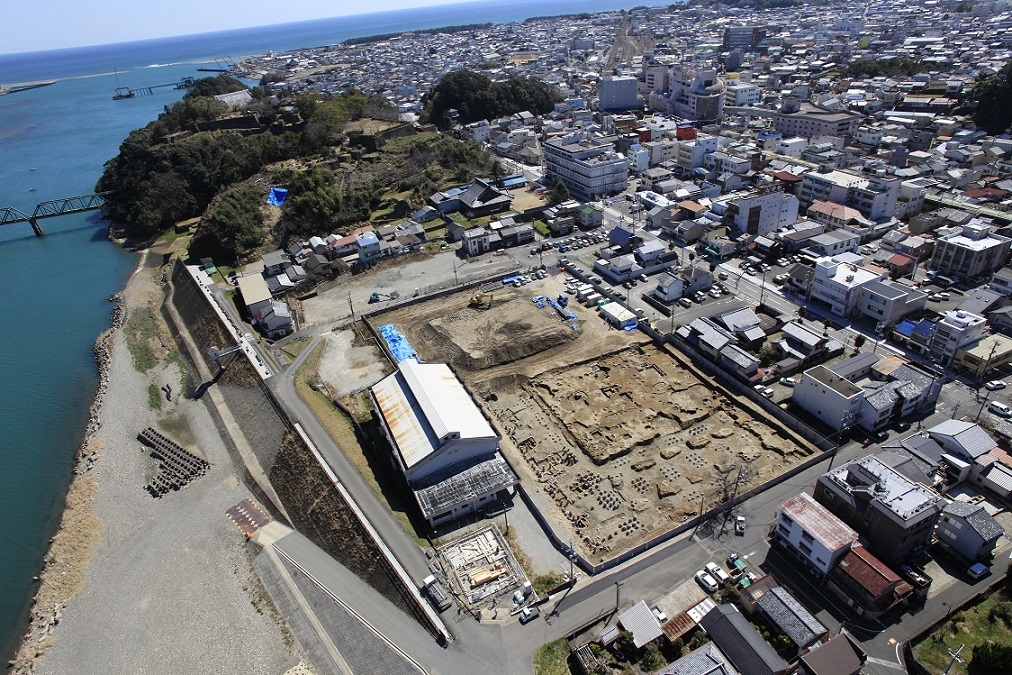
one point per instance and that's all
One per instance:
(79, 533)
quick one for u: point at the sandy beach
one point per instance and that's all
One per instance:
(138, 584)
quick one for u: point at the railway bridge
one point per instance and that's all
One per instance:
(50, 209)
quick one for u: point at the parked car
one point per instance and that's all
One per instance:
(977, 571)
(902, 426)
(706, 581)
(685, 302)
(717, 573)
(768, 393)
(758, 387)
(994, 385)
(880, 436)
(722, 275)
(788, 381)
(739, 525)
(999, 408)
(528, 614)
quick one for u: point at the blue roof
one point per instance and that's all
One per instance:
(366, 238)
(905, 328)
(619, 235)
(924, 328)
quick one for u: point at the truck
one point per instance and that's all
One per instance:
(591, 300)
(438, 596)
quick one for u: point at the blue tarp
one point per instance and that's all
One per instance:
(277, 196)
(398, 344)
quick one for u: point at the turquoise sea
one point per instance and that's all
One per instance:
(53, 144)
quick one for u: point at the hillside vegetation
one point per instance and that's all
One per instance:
(312, 145)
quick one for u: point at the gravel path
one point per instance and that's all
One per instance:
(170, 588)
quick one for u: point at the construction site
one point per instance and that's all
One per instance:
(481, 570)
(618, 441)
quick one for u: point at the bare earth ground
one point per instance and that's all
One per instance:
(624, 442)
(167, 585)
(347, 368)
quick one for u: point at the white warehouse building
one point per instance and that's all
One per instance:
(441, 441)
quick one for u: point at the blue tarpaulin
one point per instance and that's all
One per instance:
(277, 196)
(399, 347)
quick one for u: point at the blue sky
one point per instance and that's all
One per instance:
(34, 25)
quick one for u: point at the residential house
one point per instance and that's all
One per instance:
(789, 617)
(255, 293)
(969, 530)
(369, 249)
(275, 262)
(865, 584)
(482, 199)
(985, 355)
(840, 655)
(741, 643)
(274, 320)
(705, 660)
(955, 330)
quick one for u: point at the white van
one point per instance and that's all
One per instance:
(999, 408)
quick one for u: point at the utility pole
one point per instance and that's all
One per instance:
(618, 594)
(955, 657)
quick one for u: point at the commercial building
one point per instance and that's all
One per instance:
(590, 168)
(618, 93)
(696, 95)
(990, 352)
(796, 118)
(761, 211)
(810, 531)
(895, 514)
(888, 302)
(441, 442)
(745, 38)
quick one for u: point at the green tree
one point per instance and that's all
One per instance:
(559, 192)
(232, 228)
(992, 94)
(212, 86)
(859, 342)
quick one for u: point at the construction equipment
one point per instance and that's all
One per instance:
(380, 297)
(481, 301)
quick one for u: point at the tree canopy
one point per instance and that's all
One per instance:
(992, 94)
(901, 66)
(475, 96)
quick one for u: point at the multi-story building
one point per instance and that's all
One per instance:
(809, 530)
(874, 196)
(895, 514)
(589, 168)
(746, 38)
(888, 302)
(761, 211)
(837, 284)
(954, 330)
(835, 400)
(618, 93)
(695, 94)
(692, 153)
(809, 121)
(742, 94)
(974, 250)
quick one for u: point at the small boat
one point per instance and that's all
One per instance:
(31, 189)
(33, 169)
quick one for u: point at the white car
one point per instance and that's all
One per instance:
(706, 581)
(788, 381)
(768, 393)
(717, 573)
(999, 409)
(994, 385)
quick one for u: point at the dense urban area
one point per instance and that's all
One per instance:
(672, 340)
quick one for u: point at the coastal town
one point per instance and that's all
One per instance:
(710, 374)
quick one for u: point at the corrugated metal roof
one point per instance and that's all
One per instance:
(867, 571)
(448, 407)
(832, 532)
(413, 440)
(639, 620)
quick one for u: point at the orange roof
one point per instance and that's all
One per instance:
(869, 572)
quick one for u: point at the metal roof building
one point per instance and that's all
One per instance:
(441, 441)
(744, 647)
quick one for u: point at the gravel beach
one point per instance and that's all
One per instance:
(135, 584)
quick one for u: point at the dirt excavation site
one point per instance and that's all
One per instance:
(616, 439)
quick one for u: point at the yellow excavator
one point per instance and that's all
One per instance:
(481, 301)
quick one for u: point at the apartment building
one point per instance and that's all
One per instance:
(874, 196)
(761, 211)
(973, 250)
(590, 168)
(810, 531)
(956, 329)
(895, 514)
(837, 283)
(618, 93)
(796, 118)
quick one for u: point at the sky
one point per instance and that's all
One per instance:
(36, 25)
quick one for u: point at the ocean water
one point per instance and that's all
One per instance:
(54, 303)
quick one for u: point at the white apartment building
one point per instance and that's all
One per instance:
(874, 196)
(762, 211)
(973, 250)
(835, 400)
(618, 93)
(811, 531)
(722, 162)
(956, 329)
(742, 94)
(837, 283)
(692, 153)
(791, 147)
(589, 168)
